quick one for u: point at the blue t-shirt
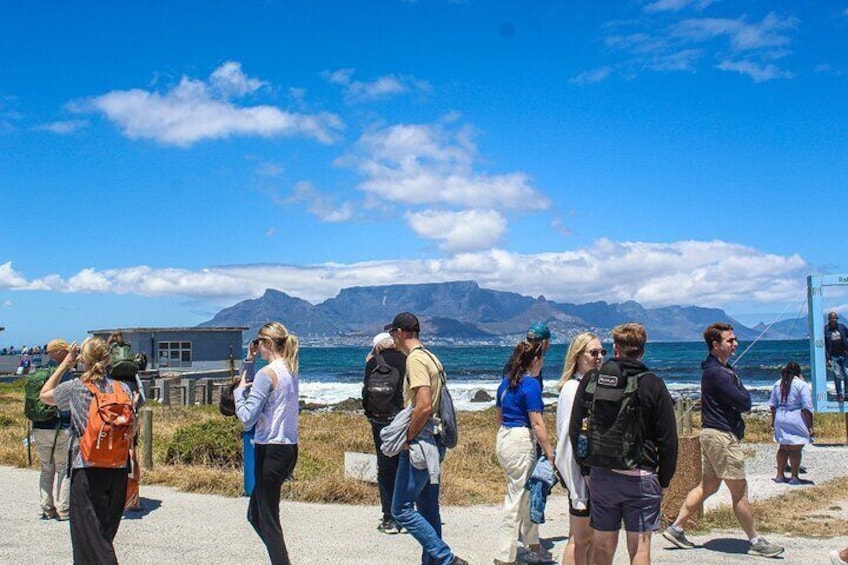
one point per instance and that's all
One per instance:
(516, 403)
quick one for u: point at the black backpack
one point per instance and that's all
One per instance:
(615, 435)
(381, 391)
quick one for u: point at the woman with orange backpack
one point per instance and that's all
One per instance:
(102, 425)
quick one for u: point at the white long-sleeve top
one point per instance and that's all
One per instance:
(272, 409)
(567, 466)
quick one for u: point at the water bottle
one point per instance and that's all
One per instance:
(582, 450)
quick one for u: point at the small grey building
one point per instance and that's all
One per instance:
(183, 348)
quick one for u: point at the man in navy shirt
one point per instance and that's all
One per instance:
(723, 401)
(836, 351)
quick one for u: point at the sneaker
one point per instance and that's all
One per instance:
(765, 549)
(540, 556)
(388, 527)
(457, 560)
(677, 538)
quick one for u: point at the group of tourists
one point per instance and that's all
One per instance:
(616, 441)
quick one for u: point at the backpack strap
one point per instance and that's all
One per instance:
(439, 367)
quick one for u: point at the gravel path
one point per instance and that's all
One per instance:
(193, 528)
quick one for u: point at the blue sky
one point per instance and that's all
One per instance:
(161, 161)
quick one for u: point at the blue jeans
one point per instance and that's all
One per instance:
(413, 489)
(839, 372)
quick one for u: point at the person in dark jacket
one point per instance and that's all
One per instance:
(384, 346)
(723, 401)
(630, 494)
(836, 352)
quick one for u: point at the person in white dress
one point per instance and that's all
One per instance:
(791, 405)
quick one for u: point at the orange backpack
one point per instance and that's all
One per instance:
(109, 431)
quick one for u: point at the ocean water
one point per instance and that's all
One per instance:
(333, 374)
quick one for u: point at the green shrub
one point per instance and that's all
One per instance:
(214, 443)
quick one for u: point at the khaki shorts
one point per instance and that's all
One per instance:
(721, 455)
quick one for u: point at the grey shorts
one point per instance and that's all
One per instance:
(615, 497)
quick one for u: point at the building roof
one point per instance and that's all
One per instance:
(189, 329)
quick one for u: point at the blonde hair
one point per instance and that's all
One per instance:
(94, 353)
(283, 342)
(630, 339)
(578, 345)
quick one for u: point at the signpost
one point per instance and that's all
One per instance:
(818, 365)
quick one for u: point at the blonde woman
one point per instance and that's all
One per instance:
(97, 494)
(271, 406)
(584, 354)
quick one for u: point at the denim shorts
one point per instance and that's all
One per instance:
(615, 497)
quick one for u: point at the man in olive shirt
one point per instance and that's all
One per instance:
(415, 504)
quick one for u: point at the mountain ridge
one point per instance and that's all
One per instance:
(462, 312)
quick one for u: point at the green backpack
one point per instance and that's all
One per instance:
(615, 421)
(34, 408)
(122, 363)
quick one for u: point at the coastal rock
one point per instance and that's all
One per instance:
(348, 405)
(481, 396)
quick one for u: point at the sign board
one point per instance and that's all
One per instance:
(361, 466)
(822, 400)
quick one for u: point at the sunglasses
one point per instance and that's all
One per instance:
(597, 352)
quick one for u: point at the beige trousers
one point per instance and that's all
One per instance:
(516, 452)
(54, 470)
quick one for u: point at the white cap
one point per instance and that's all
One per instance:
(380, 337)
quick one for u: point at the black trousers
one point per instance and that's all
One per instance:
(96, 507)
(386, 471)
(273, 465)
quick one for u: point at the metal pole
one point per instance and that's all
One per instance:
(147, 437)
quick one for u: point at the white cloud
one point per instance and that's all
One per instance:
(323, 206)
(676, 5)
(196, 110)
(428, 164)
(705, 273)
(469, 230)
(757, 72)
(64, 127)
(229, 80)
(381, 87)
(591, 77)
(771, 31)
(9, 278)
(682, 44)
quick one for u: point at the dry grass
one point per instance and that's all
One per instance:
(809, 512)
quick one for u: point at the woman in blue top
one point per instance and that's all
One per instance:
(791, 406)
(271, 406)
(519, 414)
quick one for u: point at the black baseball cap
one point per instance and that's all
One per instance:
(406, 321)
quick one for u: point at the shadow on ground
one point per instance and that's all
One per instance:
(148, 505)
